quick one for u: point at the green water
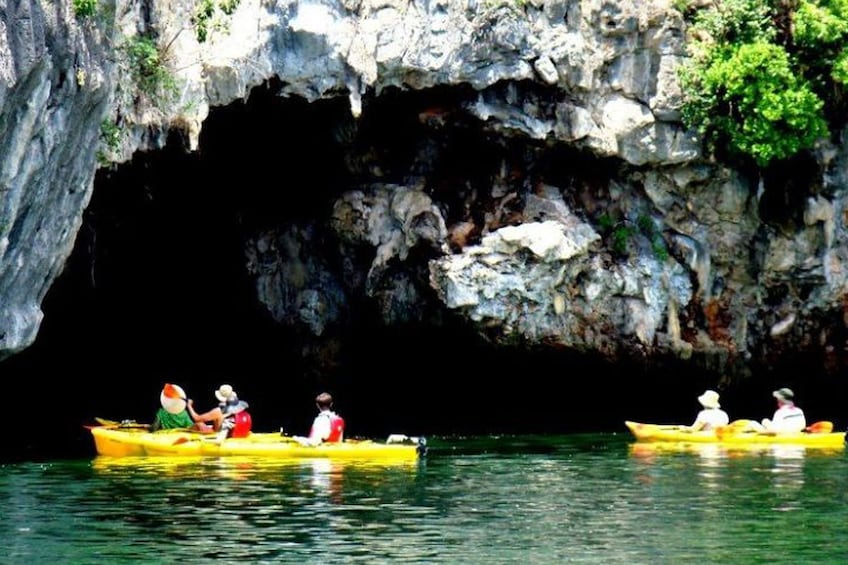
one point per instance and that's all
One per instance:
(564, 499)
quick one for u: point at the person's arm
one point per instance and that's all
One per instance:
(696, 426)
(215, 415)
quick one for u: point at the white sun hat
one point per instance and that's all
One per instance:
(709, 399)
(225, 393)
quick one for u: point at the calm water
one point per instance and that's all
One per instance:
(584, 499)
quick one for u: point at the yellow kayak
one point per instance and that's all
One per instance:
(729, 436)
(117, 441)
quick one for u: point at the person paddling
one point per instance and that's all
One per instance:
(327, 426)
(230, 417)
(172, 414)
(788, 418)
(712, 416)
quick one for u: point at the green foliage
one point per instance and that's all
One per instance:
(110, 139)
(110, 135)
(750, 98)
(148, 68)
(820, 31)
(816, 25)
(681, 6)
(840, 68)
(620, 235)
(649, 230)
(208, 16)
(228, 6)
(737, 21)
(85, 8)
(753, 89)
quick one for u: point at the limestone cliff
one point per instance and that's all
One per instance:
(597, 226)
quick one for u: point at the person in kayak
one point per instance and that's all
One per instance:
(712, 416)
(230, 418)
(327, 427)
(173, 413)
(788, 418)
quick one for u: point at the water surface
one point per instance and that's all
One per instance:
(529, 499)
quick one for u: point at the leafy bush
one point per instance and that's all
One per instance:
(840, 68)
(750, 98)
(148, 68)
(762, 75)
(110, 139)
(737, 21)
(84, 8)
(206, 17)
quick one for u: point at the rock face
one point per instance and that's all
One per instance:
(632, 242)
(55, 87)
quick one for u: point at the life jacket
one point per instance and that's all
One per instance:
(242, 424)
(336, 427)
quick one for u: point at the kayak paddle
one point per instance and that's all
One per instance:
(734, 427)
(822, 427)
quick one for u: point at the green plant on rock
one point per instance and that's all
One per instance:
(110, 140)
(765, 75)
(617, 232)
(147, 67)
(620, 234)
(84, 8)
(649, 230)
(209, 16)
(750, 99)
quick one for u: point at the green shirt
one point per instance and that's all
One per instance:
(167, 421)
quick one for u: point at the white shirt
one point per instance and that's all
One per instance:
(787, 419)
(321, 426)
(711, 418)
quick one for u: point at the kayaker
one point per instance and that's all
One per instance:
(327, 426)
(788, 418)
(173, 413)
(230, 416)
(712, 416)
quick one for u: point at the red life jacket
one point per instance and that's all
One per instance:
(336, 428)
(242, 426)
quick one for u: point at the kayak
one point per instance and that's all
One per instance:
(729, 436)
(137, 440)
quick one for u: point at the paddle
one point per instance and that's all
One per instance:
(733, 428)
(123, 424)
(821, 427)
(742, 426)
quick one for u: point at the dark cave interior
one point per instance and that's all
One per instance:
(156, 291)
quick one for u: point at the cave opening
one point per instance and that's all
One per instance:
(156, 291)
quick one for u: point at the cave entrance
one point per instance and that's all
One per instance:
(156, 291)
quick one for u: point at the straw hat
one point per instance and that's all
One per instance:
(225, 393)
(709, 399)
(173, 398)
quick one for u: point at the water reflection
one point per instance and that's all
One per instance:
(782, 465)
(592, 499)
(319, 476)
